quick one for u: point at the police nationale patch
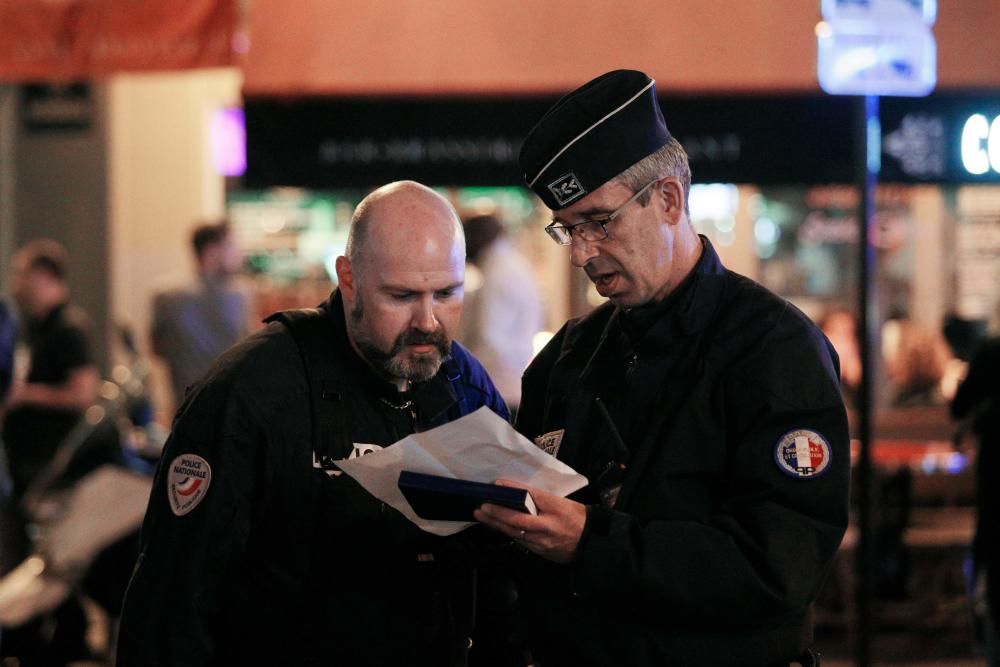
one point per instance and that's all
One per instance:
(549, 442)
(566, 188)
(187, 482)
(803, 453)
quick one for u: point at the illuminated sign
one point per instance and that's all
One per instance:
(981, 145)
(908, 11)
(228, 140)
(945, 138)
(877, 47)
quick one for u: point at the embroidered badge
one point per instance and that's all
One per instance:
(549, 442)
(358, 451)
(566, 188)
(187, 482)
(803, 453)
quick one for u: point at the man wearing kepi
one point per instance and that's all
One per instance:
(256, 550)
(704, 410)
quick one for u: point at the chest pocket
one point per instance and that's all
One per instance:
(342, 503)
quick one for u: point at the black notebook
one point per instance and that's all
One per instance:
(448, 499)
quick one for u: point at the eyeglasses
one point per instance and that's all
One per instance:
(590, 230)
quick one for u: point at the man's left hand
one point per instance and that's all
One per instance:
(553, 534)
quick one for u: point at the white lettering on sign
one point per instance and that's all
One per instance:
(981, 144)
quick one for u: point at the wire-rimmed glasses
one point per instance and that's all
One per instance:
(590, 230)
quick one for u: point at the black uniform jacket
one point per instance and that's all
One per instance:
(723, 531)
(281, 562)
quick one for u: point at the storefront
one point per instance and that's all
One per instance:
(774, 188)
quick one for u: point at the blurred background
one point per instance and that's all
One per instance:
(124, 123)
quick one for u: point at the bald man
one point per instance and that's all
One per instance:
(255, 548)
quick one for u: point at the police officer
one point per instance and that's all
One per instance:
(256, 550)
(704, 410)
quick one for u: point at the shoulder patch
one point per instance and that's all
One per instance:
(550, 442)
(188, 479)
(803, 453)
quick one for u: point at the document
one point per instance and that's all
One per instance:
(479, 447)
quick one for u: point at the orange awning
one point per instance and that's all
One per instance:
(46, 40)
(441, 47)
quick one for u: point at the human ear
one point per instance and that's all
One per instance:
(345, 278)
(671, 197)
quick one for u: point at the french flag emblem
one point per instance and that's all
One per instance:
(802, 453)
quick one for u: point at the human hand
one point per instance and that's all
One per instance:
(554, 534)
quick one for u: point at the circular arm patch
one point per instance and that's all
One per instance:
(803, 454)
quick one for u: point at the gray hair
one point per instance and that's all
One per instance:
(670, 160)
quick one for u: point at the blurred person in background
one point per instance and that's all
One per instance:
(41, 410)
(193, 325)
(705, 411)
(61, 380)
(840, 326)
(8, 340)
(256, 550)
(8, 349)
(504, 312)
(916, 361)
(977, 404)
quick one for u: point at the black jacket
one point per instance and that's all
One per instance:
(281, 562)
(721, 536)
(978, 400)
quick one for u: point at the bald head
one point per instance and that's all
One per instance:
(402, 280)
(400, 220)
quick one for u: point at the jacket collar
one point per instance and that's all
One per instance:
(685, 312)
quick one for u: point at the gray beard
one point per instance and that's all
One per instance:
(391, 362)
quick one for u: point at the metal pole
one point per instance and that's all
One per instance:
(868, 152)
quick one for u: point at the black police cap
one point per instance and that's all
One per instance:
(592, 135)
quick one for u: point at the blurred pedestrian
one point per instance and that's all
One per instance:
(916, 360)
(193, 325)
(502, 315)
(62, 379)
(8, 341)
(841, 328)
(42, 409)
(977, 402)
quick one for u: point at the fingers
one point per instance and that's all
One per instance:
(506, 520)
(553, 534)
(544, 501)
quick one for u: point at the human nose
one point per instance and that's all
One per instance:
(424, 319)
(581, 251)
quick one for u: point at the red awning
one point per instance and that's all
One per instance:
(46, 40)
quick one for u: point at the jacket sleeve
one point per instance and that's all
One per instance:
(191, 544)
(759, 540)
(980, 383)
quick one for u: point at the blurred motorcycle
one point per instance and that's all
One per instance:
(81, 514)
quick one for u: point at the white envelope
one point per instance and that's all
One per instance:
(480, 447)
